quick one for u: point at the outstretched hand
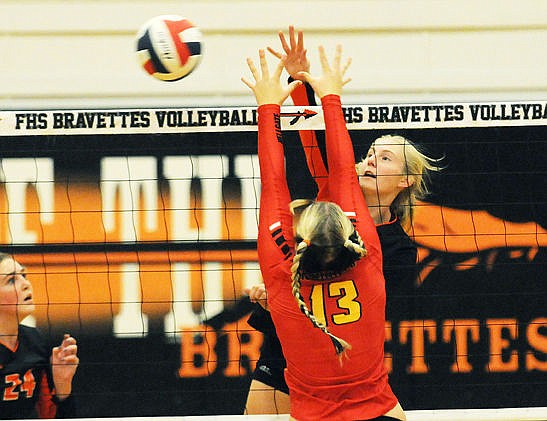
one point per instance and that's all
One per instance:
(258, 294)
(64, 362)
(296, 58)
(333, 78)
(268, 88)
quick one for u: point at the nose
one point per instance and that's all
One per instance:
(25, 283)
(371, 160)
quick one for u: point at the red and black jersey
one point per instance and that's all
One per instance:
(26, 385)
(352, 305)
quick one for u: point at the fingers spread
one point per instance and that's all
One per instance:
(252, 68)
(346, 66)
(247, 82)
(284, 44)
(263, 64)
(337, 56)
(323, 59)
(300, 44)
(275, 52)
(280, 67)
(291, 37)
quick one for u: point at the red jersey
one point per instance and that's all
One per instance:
(352, 305)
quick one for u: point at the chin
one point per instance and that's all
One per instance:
(25, 310)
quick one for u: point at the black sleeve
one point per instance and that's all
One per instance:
(65, 408)
(261, 320)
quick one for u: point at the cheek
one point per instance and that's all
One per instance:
(389, 168)
(8, 296)
(390, 173)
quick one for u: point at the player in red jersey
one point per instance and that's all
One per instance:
(392, 175)
(321, 264)
(34, 381)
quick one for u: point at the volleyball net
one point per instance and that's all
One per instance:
(138, 230)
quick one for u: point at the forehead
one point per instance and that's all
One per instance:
(8, 266)
(394, 146)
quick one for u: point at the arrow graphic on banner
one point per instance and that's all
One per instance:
(306, 114)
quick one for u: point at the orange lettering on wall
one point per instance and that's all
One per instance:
(242, 340)
(538, 342)
(198, 356)
(498, 344)
(417, 330)
(462, 329)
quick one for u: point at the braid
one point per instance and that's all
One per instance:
(300, 248)
(339, 344)
(355, 244)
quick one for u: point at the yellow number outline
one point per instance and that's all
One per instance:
(347, 291)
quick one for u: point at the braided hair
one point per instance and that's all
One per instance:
(327, 245)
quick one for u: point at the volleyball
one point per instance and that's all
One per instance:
(169, 47)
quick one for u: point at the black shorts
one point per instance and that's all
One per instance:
(271, 364)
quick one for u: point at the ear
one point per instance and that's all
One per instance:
(406, 181)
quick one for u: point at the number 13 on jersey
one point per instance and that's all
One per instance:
(345, 294)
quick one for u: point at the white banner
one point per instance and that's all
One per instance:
(188, 120)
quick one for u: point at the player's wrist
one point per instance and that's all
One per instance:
(62, 395)
(267, 106)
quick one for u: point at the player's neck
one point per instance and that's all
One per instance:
(9, 341)
(380, 214)
(379, 206)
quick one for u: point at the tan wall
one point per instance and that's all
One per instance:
(81, 53)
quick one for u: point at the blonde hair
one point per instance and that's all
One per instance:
(4, 256)
(324, 226)
(418, 168)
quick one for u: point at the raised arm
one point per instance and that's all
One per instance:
(296, 61)
(340, 153)
(275, 218)
(340, 156)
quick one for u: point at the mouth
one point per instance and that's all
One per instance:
(369, 174)
(28, 298)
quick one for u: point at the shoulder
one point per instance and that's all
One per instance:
(395, 241)
(33, 339)
(29, 332)
(393, 230)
